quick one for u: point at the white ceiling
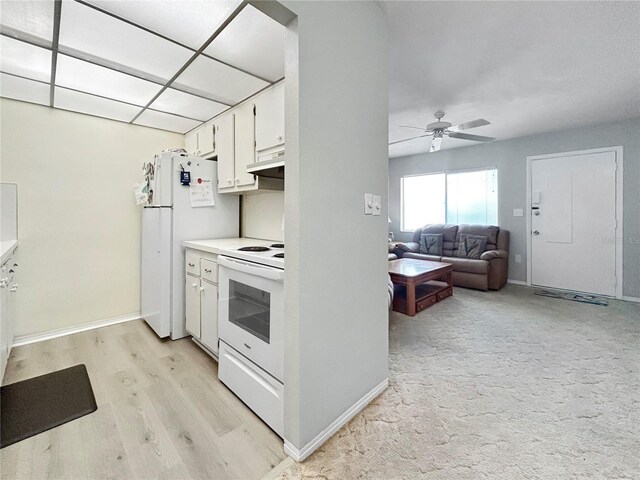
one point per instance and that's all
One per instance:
(155, 62)
(527, 67)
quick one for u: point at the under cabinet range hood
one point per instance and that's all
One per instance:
(271, 166)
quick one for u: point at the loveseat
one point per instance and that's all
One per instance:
(479, 253)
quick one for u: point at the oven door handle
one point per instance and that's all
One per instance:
(252, 268)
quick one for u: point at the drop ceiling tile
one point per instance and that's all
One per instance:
(253, 42)
(90, 78)
(26, 60)
(218, 81)
(100, 107)
(174, 101)
(35, 18)
(190, 22)
(23, 89)
(165, 121)
(86, 30)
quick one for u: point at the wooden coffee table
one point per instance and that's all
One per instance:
(419, 284)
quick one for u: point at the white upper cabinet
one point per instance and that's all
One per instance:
(244, 134)
(270, 120)
(201, 141)
(225, 150)
(191, 142)
(207, 139)
(245, 142)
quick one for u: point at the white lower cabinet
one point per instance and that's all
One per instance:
(8, 289)
(192, 305)
(201, 298)
(209, 312)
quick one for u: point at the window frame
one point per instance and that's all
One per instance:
(446, 173)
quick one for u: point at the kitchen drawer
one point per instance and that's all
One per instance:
(192, 263)
(209, 270)
(260, 391)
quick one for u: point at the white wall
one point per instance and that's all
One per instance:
(336, 319)
(79, 227)
(262, 215)
(510, 156)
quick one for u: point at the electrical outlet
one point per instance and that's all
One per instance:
(518, 258)
(518, 212)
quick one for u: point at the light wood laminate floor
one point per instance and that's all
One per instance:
(162, 413)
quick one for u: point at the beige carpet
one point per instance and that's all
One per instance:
(498, 385)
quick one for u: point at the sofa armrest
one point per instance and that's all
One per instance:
(491, 254)
(408, 247)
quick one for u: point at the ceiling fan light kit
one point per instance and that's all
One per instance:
(439, 129)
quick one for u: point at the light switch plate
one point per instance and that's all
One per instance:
(518, 212)
(368, 203)
(377, 205)
(518, 258)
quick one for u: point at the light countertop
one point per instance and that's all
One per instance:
(6, 249)
(217, 245)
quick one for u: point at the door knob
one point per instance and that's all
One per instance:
(536, 232)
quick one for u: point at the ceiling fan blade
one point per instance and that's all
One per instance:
(466, 136)
(407, 139)
(409, 126)
(435, 144)
(472, 124)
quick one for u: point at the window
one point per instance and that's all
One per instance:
(457, 197)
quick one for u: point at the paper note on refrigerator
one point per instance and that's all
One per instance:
(201, 192)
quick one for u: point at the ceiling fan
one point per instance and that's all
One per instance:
(439, 129)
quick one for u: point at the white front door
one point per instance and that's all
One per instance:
(573, 222)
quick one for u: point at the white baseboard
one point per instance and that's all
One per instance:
(83, 327)
(631, 299)
(516, 282)
(300, 454)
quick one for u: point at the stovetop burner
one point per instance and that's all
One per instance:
(254, 249)
(277, 245)
(279, 255)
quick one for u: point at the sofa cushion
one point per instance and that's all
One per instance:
(449, 234)
(422, 256)
(431, 243)
(489, 231)
(468, 265)
(471, 246)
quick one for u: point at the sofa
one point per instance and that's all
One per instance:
(488, 272)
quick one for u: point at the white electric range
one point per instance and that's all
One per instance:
(250, 327)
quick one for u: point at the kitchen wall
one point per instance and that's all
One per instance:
(510, 156)
(262, 215)
(336, 317)
(79, 227)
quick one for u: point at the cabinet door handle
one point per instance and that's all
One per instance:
(202, 289)
(194, 285)
(206, 270)
(192, 264)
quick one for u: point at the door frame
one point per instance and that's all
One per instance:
(619, 206)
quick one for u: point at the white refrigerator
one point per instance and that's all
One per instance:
(178, 209)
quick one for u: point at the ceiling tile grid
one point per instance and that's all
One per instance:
(165, 64)
(25, 90)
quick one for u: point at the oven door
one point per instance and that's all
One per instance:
(251, 311)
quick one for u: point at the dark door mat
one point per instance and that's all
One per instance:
(41, 403)
(573, 296)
